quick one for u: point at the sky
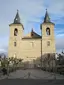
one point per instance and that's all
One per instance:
(32, 13)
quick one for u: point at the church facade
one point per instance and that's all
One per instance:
(31, 46)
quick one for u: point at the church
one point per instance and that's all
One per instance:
(33, 45)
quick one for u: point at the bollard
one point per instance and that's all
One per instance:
(28, 75)
(54, 76)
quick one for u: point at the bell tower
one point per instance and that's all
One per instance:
(16, 34)
(47, 32)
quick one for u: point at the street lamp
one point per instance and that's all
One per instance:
(55, 67)
(41, 51)
(7, 67)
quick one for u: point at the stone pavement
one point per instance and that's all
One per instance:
(32, 77)
(34, 74)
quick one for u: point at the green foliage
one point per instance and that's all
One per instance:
(4, 63)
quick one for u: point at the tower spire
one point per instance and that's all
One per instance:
(46, 18)
(17, 18)
(32, 30)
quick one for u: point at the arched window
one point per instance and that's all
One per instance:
(48, 31)
(15, 32)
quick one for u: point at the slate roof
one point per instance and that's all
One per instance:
(32, 35)
(47, 18)
(17, 19)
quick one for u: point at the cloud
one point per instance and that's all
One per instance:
(56, 10)
(55, 6)
(59, 32)
(59, 44)
(31, 13)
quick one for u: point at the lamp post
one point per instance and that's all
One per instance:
(8, 67)
(41, 49)
(55, 67)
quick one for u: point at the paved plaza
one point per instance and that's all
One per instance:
(32, 77)
(32, 74)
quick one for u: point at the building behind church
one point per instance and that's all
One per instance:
(33, 45)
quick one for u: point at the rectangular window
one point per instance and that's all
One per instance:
(48, 43)
(15, 43)
(32, 44)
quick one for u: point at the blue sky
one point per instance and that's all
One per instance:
(31, 13)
